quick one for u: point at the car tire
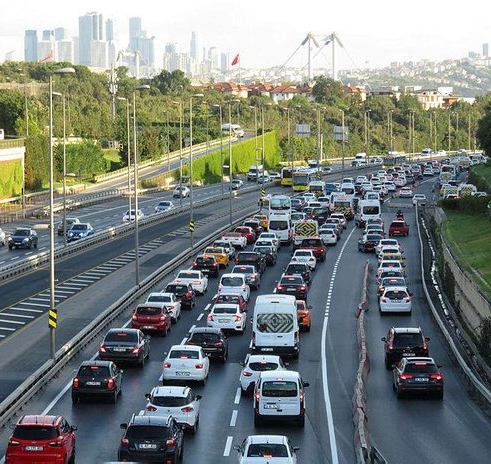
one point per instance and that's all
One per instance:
(194, 429)
(257, 421)
(75, 399)
(141, 364)
(10, 248)
(307, 329)
(223, 359)
(301, 421)
(114, 398)
(72, 457)
(203, 382)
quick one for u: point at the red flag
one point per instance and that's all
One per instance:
(236, 60)
(48, 57)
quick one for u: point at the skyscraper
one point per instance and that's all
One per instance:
(90, 27)
(142, 45)
(194, 49)
(171, 47)
(135, 27)
(65, 51)
(61, 34)
(48, 34)
(485, 50)
(224, 62)
(214, 57)
(31, 45)
(109, 30)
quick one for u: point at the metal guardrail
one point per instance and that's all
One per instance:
(22, 394)
(472, 380)
(11, 143)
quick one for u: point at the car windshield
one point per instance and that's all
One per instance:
(421, 368)
(232, 281)
(397, 224)
(169, 401)
(159, 299)
(246, 257)
(296, 269)
(303, 253)
(35, 432)
(306, 242)
(291, 280)
(21, 233)
(164, 203)
(204, 337)
(263, 249)
(95, 372)
(224, 310)
(267, 450)
(278, 225)
(125, 337)
(204, 260)
(184, 354)
(178, 289)
(188, 275)
(393, 282)
(80, 227)
(148, 311)
(395, 294)
(244, 270)
(262, 366)
(279, 388)
(146, 432)
(404, 340)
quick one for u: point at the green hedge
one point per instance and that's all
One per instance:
(480, 176)
(467, 204)
(10, 178)
(207, 168)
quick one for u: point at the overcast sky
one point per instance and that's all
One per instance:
(266, 33)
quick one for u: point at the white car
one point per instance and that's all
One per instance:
(236, 184)
(2, 238)
(324, 201)
(390, 186)
(267, 449)
(227, 317)
(234, 283)
(181, 402)
(428, 172)
(196, 279)
(395, 300)
(341, 217)
(386, 243)
(181, 192)
(129, 216)
(406, 192)
(163, 206)
(390, 265)
(273, 175)
(236, 239)
(270, 236)
(254, 365)
(305, 257)
(400, 181)
(168, 300)
(185, 362)
(328, 236)
(307, 196)
(419, 198)
(227, 246)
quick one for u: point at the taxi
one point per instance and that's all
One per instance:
(392, 255)
(303, 315)
(263, 220)
(219, 253)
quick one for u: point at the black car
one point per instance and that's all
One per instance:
(151, 439)
(320, 215)
(184, 293)
(99, 379)
(207, 265)
(252, 258)
(402, 342)
(269, 253)
(23, 237)
(292, 285)
(417, 375)
(252, 276)
(368, 242)
(213, 341)
(125, 345)
(299, 269)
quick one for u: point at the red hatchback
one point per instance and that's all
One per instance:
(151, 318)
(246, 232)
(41, 440)
(231, 298)
(398, 228)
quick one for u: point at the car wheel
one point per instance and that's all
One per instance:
(10, 248)
(301, 421)
(195, 426)
(387, 364)
(114, 398)
(75, 399)
(142, 362)
(257, 421)
(224, 358)
(36, 245)
(72, 458)
(308, 328)
(439, 395)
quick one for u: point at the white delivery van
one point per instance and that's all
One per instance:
(367, 209)
(255, 171)
(281, 225)
(275, 325)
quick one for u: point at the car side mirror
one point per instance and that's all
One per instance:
(198, 397)
(427, 339)
(237, 448)
(309, 306)
(147, 396)
(296, 448)
(121, 371)
(383, 339)
(439, 366)
(242, 364)
(73, 428)
(306, 384)
(123, 426)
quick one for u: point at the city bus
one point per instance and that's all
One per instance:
(392, 161)
(301, 180)
(286, 176)
(280, 204)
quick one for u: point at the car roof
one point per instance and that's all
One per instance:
(96, 363)
(123, 330)
(185, 347)
(276, 375)
(263, 357)
(170, 391)
(160, 420)
(230, 274)
(397, 289)
(38, 420)
(420, 359)
(258, 439)
(416, 330)
(226, 305)
(213, 330)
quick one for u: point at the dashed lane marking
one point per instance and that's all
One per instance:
(228, 446)
(233, 419)
(237, 396)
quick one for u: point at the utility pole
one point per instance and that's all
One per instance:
(413, 138)
(230, 158)
(262, 139)
(436, 133)
(449, 127)
(135, 181)
(256, 145)
(319, 147)
(469, 133)
(342, 138)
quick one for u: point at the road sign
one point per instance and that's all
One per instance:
(191, 226)
(338, 133)
(263, 192)
(52, 318)
(302, 130)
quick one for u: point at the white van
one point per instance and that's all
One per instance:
(234, 283)
(367, 209)
(275, 325)
(281, 225)
(279, 395)
(255, 171)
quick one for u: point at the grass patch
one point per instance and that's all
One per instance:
(111, 154)
(469, 236)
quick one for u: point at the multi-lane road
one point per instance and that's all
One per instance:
(406, 431)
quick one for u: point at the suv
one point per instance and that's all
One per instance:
(23, 237)
(42, 439)
(317, 247)
(184, 293)
(299, 269)
(151, 439)
(400, 228)
(213, 341)
(252, 258)
(207, 264)
(97, 379)
(402, 342)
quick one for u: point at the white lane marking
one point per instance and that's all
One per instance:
(35, 304)
(233, 419)
(64, 291)
(79, 284)
(12, 322)
(237, 396)
(207, 307)
(1, 262)
(192, 327)
(250, 345)
(17, 257)
(2, 336)
(85, 279)
(40, 299)
(7, 328)
(183, 341)
(200, 317)
(66, 287)
(17, 315)
(29, 253)
(42, 248)
(96, 274)
(27, 310)
(228, 446)
(327, 400)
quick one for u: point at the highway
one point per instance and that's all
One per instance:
(410, 430)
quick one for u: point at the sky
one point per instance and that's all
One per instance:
(374, 34)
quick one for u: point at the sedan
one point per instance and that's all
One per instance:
(97, 379)
(179, 402)
(387, 282)
(185, 363)
(129, 216)
(387, 242)
(227, 317)
(253, 277)
(167, 300)
(341, 217)
(404, 342)
(271, 449)
(395, 300)
(236, 184)
(369, 242)
(213, 341)
(69, 223)
(151, 318)
(246, 232)
(164, 206)
(207, 265)
(269, 253)
(231, 298)
(125, 345)
(419, 199)
(80, 232)
(181, 192)
(254, 365)
(301, 269)
(406, 192)
(184, 293)
(292, 285)
(305, 257)
(418, 375)
(236, 239)
(196, 279)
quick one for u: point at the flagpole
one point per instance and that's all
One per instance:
(240, 70)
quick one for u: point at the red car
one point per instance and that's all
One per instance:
(246, 232)
(231, 298)
(41, 439)
(399, 228)
(151, 318)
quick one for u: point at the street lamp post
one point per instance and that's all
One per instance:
(256, 144)
(221, 144)
(128, 143)
(342, 139)
(230, 158)
(367, 130)
(168, 142)
(180, 149)
(449, 127)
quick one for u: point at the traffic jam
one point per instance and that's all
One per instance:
(305, 225)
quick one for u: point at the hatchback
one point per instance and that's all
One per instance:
(404, 342)
(183, 292)
(99, 379)
(418, 375)
(395, 300)
(254, 365)
(272, 449)
(185, 363)
(227, 317)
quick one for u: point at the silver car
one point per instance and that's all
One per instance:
(395, 300)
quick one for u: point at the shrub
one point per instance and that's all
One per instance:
(467, 205)
(10, 178)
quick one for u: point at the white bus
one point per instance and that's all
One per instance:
(280, 205)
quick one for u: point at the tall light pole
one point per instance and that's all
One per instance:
(230, 158)
(469, 133)
(180, 148)
(53, 312)
(168, 141)
(449, 127)
(135, 182)
(367, 130)
(256, 142)
(221, 144)
(128, 143)
(342, 139)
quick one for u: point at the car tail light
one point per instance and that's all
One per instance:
(214, 264)
(187, 409)
(167, 365)
(199, 366)
(188, 294)
(280, 287)
(134, 317)
(125, 441)
(13, 443)
(136, 349)
(425, 345)
(162, 317)
(407, 299)
(405, 376)
(171, 443)
(210, 317)
(302, 287)
(110, 384)
(436, 376)
(296, 337)
(102, 349)
(196, 282)
(246, 373)
(195, 265)
(151, 408)
(238, 318)
(256, 395)
(219, 344)
(75, 382)
(56, 444)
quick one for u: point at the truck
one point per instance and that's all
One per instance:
(341, 202)
(255, 171)
(304, 229)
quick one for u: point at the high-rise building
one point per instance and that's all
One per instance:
(76, 50)
(65, 51)
(31, 45)
(485, 50)
(98, 57)
(61, 34)
(194, 48)
(214, 57)
(171, 47)
(109, 30)
(91, 29)
(48, 34)
(135, 27)
(224, 62)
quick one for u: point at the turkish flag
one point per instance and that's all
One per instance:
(236, 60)
(48, 57)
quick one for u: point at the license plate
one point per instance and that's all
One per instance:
(421, 379)
(93, 383)
(148, 327)
(290, 289)
(408, 354)
(223, 321)
(147, 446)
(266, 349)
(33, 448)
(119, 350)
(270, 406)
(183, 374)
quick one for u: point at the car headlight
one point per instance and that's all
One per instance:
(11, 239)
(25, 240)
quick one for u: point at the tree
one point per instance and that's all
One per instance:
(328, 91)
(483, 133)
(171, 83)
(11, 109)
